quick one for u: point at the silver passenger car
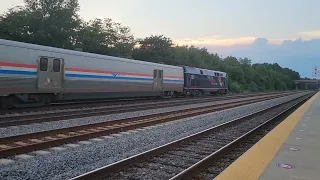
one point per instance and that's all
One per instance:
(35, 73)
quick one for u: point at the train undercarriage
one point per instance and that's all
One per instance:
(37, 100)
(26, 100)
(201, 92)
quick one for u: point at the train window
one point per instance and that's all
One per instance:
(43, 64)
(56, 65)
(160, 74)
(220, 74)
(201, 72)
(154, 73)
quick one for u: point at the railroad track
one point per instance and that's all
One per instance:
(209, 170)
(99, 103)
(187, 157)
(41, 140)
(80, 113)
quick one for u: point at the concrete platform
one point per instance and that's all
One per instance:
(289, 151)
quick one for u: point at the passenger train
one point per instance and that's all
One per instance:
(35, 75)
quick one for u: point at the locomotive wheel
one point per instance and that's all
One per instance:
(8, 102)
(2, 106)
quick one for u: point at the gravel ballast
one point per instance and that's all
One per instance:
(52, 125)
(78, 160)
(189, 152)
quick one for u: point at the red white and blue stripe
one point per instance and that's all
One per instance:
(17, 69)
(31, 70)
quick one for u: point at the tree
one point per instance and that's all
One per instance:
(155, 49)
(44, 22)
(105, 37)
(56, 23)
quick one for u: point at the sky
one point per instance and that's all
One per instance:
(286, 32)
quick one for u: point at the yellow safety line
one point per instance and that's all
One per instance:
(252, 163)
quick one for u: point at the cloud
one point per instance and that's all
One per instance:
(310, 34)
(222, 41)
(300, 54)
(279, 40)
(215, 40)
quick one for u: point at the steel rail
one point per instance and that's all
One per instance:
(117, 166)
(105, 102)
(199, 166)
(41, 140)
(54, 116)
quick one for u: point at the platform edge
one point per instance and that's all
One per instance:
(253, 162)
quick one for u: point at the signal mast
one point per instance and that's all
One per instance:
(315, 72)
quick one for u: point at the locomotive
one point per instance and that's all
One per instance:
(35, 75)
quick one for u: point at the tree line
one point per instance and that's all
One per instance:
(57, 23)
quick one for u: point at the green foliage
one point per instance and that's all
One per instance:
(234, 86)
(56, 23)
(154, 49)
(44, 22)
(105, 37)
